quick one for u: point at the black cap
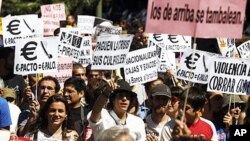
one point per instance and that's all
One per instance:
(123, 86)
(161, 89)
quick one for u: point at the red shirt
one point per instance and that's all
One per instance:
(201, 128)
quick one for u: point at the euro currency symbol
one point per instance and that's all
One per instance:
(172, 38)
(13, 27)
(28, 51)
(190, 63)
(157, 37)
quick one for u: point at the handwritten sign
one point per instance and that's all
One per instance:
(51, 15)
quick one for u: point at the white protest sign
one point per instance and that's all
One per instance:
(64, 70)
(110, 52)
(226, 46)
(74, 30)
(86, 51)
(72, 45)
(166, 58)
(229, 75)
(104, 30)
(37, 55)
(175, 43)
(244, 49)
(141, 66)
(52, 14)
(20, 27)
(194, 70)
(167, 61)
(86, 23)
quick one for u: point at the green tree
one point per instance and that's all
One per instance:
(74, 7)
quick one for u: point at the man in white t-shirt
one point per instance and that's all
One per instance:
(159, 99)
(117, 114)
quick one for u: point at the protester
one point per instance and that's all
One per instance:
(173, 106)
(52, 121)
(71, 21)
(234, 107)
(10, 95)
(192, 116)
(96, 74)
(160, 99)
(213, 111)
(119, 103)
(75, 92)
(80, 72)
(5, 120)
(47, 87)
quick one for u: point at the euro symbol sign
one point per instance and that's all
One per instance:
(157, 37)
(28, 51)
(172, 38)
(13, 27)
(191, 63)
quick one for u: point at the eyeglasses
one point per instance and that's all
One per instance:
(46, 87)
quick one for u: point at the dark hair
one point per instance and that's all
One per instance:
(50, 78)
(77, 83)
(77, 65)
(132, 102)
(196, 98)
(176, 91)
(42, 121)
(5, 52)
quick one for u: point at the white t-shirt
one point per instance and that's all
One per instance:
(14, 114)
(4, 135)
(110, 119)
(41, 136)
(151, 125)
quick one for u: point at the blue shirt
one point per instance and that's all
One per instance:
(5, 119)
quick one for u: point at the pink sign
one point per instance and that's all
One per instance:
(196, 18)
(51, 15)
(64, 68)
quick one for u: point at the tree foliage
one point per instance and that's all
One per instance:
(21, 7)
